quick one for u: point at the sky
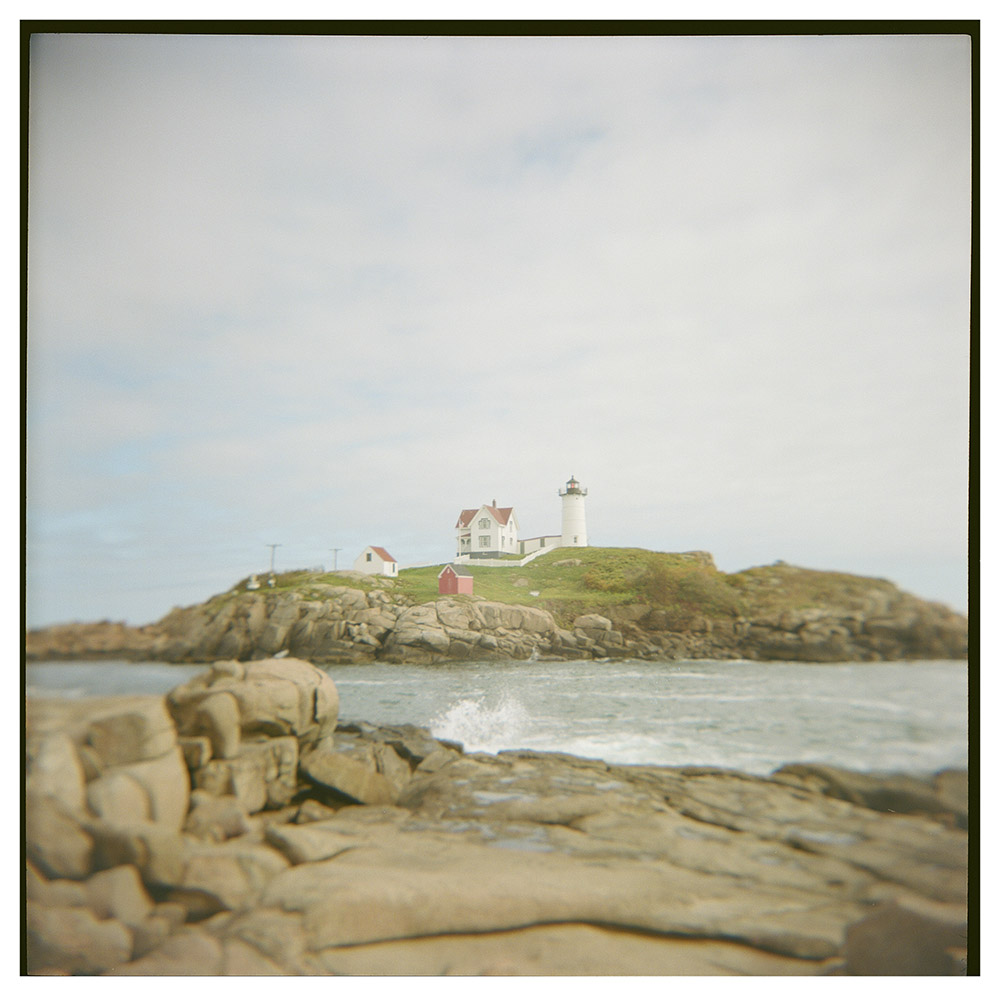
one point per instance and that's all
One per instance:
(327, 291)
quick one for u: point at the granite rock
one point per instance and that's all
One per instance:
(391, 852)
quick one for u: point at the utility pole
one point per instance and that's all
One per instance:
(335, 550)
(272, 546)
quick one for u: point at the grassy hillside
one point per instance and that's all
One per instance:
(781, 587)
(568, 581)
(599, 579)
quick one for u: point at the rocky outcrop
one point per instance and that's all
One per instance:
(908, 630)
(92, 641)
(323, 623)
(382, 851)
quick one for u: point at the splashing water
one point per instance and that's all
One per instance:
(482, 727)
(749, 715)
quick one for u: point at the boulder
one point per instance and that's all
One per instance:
(55, 840)
(53, 768)
(113, 757)
(263, 775)
(224, 876)
(166, 785)
(156, 851)
(412, 743)
(347, 776)
(118, 893)
(537, 621)
(301, 844)
(886, 793)
(592, 621)
(190, 951)
(277, 697)
(58, 892)
(197, 751)
(141, 730)
(216, 818)
(118, 797)
(277, 936)
(74, 941)
(456, 614)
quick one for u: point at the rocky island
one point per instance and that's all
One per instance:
(601, 603)
(238, 826)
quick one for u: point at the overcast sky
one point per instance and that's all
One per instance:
(325, 292)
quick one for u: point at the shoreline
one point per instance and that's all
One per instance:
(604, 605)
(492, 706)
(172, 835)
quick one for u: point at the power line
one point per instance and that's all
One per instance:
(272, 546)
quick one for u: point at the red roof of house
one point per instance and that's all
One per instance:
(384, 554)
(502, 515)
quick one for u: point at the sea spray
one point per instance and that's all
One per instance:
(750, 715)
(479, 726)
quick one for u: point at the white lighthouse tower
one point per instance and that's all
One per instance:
(574, 514)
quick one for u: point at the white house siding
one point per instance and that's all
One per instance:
(484, 536)
(370, 561)
(539, 543)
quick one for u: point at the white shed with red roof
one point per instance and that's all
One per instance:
(376, 560)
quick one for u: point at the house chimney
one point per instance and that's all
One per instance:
(494, 503)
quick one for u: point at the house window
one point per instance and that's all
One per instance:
(484, 541)
(368, 557)
(484, 523)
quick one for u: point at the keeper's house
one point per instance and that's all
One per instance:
(455, 580)
(376, 560)
(486, 531)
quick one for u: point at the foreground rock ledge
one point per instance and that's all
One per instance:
(235, 827)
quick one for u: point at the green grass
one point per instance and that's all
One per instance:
(308, 583)
(782, 587)
(570, 581)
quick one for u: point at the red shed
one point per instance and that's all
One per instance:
(455, 580)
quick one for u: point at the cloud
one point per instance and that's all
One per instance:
(326, 291)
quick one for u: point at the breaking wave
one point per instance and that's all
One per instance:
(479, 726)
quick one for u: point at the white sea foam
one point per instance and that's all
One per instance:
(479, 726)
(752, 716)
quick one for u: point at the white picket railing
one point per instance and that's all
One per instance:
(495, 562)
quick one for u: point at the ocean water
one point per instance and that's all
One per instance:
(749, 715)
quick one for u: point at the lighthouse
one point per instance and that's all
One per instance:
(574, 514)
